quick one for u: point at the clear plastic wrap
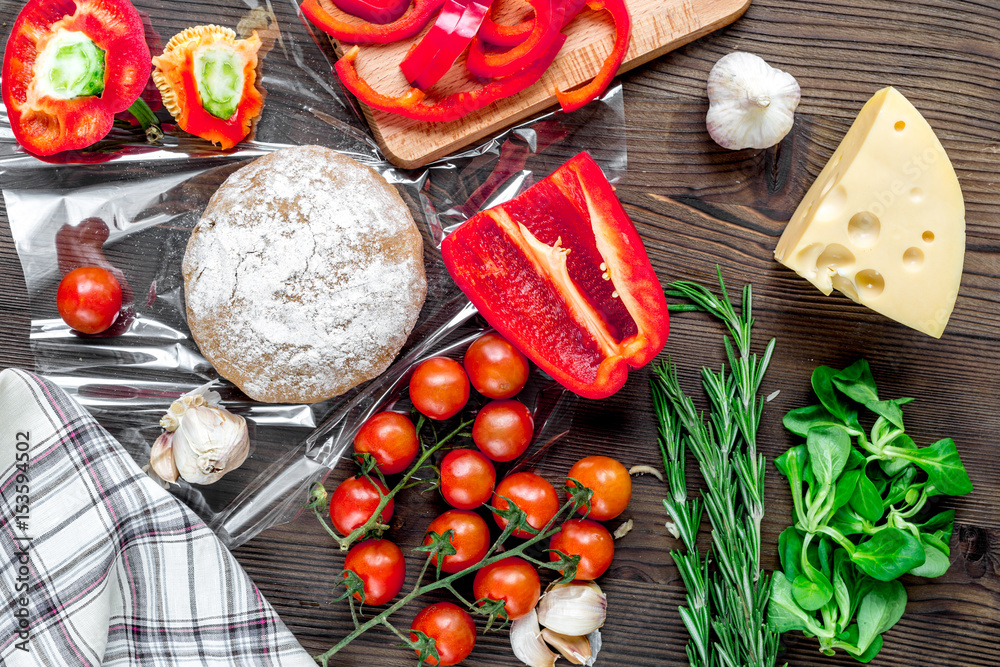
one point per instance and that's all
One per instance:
(146, 198)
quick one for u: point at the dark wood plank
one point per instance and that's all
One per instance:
(696, 206)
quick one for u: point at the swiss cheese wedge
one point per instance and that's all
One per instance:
(885, 221)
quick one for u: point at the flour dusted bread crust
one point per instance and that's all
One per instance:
(304, 276)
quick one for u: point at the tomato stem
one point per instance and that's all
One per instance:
(446, 583)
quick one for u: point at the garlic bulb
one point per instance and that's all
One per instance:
(203, 441)
(573, 609)
(751, 104)
(526, 642)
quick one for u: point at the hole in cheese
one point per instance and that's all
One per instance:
(917, 195)
(845, 287)
(807, 256)
(928, 237)
(863, 229)
(913, 259)
(900, 125)
(870, 283)
(833, 204)
(834, 257)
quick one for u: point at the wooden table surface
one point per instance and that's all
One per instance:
(696, 206)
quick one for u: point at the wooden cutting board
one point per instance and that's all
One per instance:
(658, 26)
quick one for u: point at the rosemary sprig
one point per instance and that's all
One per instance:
(730, 600)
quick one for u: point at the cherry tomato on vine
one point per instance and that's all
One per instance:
(354, 502)
(467, 478)
(381, 565)
(439, 388)
(471, 539)
(391, 438)
(89, 299)
(589, 540)
(532, 494)
(496, 368)
(513, 580)
(451, 628)
(610, 482)
(503, 429)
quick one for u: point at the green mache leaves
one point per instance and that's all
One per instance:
(889, 554)
(858, 526)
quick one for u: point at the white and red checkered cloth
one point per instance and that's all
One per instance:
(100, 565)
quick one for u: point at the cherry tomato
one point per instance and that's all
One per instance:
(353, 503)
(391, 438)
(381, 565)
(610, 481)
(588, 539)
(89, 299)
(512, 580)
(503, 429)
(496, 368)
(532, 494)
(452, 629)
(439, 388)
(467, 478)
(471, 539)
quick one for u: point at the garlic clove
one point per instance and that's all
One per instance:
(575, 649)
(195, 398)
(573, 609)
(751, 104)
(161, 459)
(208, 443)
(526, 642)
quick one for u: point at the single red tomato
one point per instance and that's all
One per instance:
(610, 482)
(381, 565)
(439, 388)
(467, 478)
(89, 299)
(503, 429)
(391, 438)
(532, 494)
(496, 368)
(451, 628)
(513, 580)
(589, 540)
(353, 503)
(471, 538)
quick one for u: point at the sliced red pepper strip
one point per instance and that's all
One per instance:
(499, 34)
(371, 33)
(374, 11)
(575, 99)
(561, 272)
(548, 20)
(410, 104)
(42, 121)
(437, 51)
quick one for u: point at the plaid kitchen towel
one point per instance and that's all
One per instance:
(104, 567)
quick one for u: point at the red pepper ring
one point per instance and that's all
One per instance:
(372, 33)
(548, 20)
(575, 99)
(499, 34)
(374, 11)
(46, 125)
(457, 105)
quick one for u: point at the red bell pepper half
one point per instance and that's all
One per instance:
(437, 51)
(371, 33)
(561, 272)
(374, 11)
(69, 67)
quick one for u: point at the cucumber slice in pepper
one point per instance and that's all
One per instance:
(71, 65)
(220, 81)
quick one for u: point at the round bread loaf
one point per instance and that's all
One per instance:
(304, 276)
